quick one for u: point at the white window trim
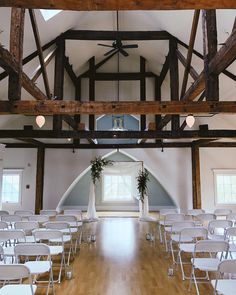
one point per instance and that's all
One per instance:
(117, 201)
(20, 172)
(225, 171)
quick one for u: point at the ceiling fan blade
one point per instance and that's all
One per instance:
(105, 45)
(130, 46)
(123, 52)
(110, 51)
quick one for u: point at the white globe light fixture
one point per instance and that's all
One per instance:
(40, 121)
(190, 120)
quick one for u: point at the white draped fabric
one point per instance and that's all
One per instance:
(91, 212)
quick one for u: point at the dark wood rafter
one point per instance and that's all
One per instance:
(39, 179)
(164, 70)
(40, 51)
(190, 51)
(92, 91)
(8, 63)
(120, 76)
(88, 5)
(70, 71)
(16, 50)
(47, 60)
(174, 80)
(193, 73)
(77, 118)
(142, 91)
(32, 141)
(196, 183)
(59, 81)
(210, 50)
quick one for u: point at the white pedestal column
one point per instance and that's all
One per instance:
(144, 210)
(91, 212)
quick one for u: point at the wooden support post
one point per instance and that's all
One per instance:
(196, 184)
(210, 50)
(40, 51)
(59, 81)
(39, 179)
(16, 49)
(157, 98)
(77, 118)
(142, 90)
(92, 90)
(174, 80)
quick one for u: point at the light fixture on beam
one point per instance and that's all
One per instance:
(190, 120)
(40, 121)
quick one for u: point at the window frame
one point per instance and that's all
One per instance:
(131, 201)
(225, 171)
(10, 171)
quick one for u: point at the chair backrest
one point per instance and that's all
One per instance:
(31, 249)
(231, 216)
(57, 225)
(3, 225)
(211, 246)
(68, 218)
(11, 218)
(222, 212)
(195, 212)
(169, 211)
(27, 226)
(50, 213)
(230, 233)
(206, 217)
(74, 212)
(194, 233)
(38, 218)
(219, 224)
(3, 212)
(227, 266)
(12, 234)
(23, 212)
(177, 226)
(170, 218)
(14, 272)
(47, 234)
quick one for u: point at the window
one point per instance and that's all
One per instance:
(48, 14)
(225, 186)
(117, 188)
(11, 186)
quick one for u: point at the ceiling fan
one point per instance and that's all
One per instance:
(117, 45)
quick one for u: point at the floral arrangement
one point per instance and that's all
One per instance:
(97, 166)
(142, 180)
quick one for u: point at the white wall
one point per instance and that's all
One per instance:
(24, 159)
(214, 158)
(172, 168)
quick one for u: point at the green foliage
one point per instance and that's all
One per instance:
(142, 180)
(97, 166)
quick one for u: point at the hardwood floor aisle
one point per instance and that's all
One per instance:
(122, 262)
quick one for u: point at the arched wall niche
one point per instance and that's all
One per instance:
(77, 194)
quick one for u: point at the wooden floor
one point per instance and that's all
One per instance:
(122, 262)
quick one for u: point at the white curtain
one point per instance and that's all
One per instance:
(91, 212)
(2, 150)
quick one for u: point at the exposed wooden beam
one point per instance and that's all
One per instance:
(39, 179)
(40, 51)
(16, 50)
(164, 70)
(9, 64)
(120, 76)
(87, 5)
(113, 35)
(190, 51)
(71, 107)
(47, 60)
(92, 91)
(196, 183)
(209, 51)
(183, 60)
(195, 134)
(69, 70)
(142, 90)
(174, 80)
(32, 141)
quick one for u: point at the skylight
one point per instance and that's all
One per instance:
(49, 13)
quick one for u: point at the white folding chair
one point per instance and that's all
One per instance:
(215, 250)
(230, 236)
(195, 212)
(232, 217)
(41, 219)
(222, 212)
(23, 212)
(217, 228)
(223, 285)
(74, 212)
(50, 213)
(13, 272)
(205, 218)
(75, 227)
(38, 266)
(11, 219)
(55, 241)
(176, 228)
(27, 227)
(187, 240)
(3, 225)
(3, 212)
(162, 214)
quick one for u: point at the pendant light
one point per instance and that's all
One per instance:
(40, 121)
(190, 120)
